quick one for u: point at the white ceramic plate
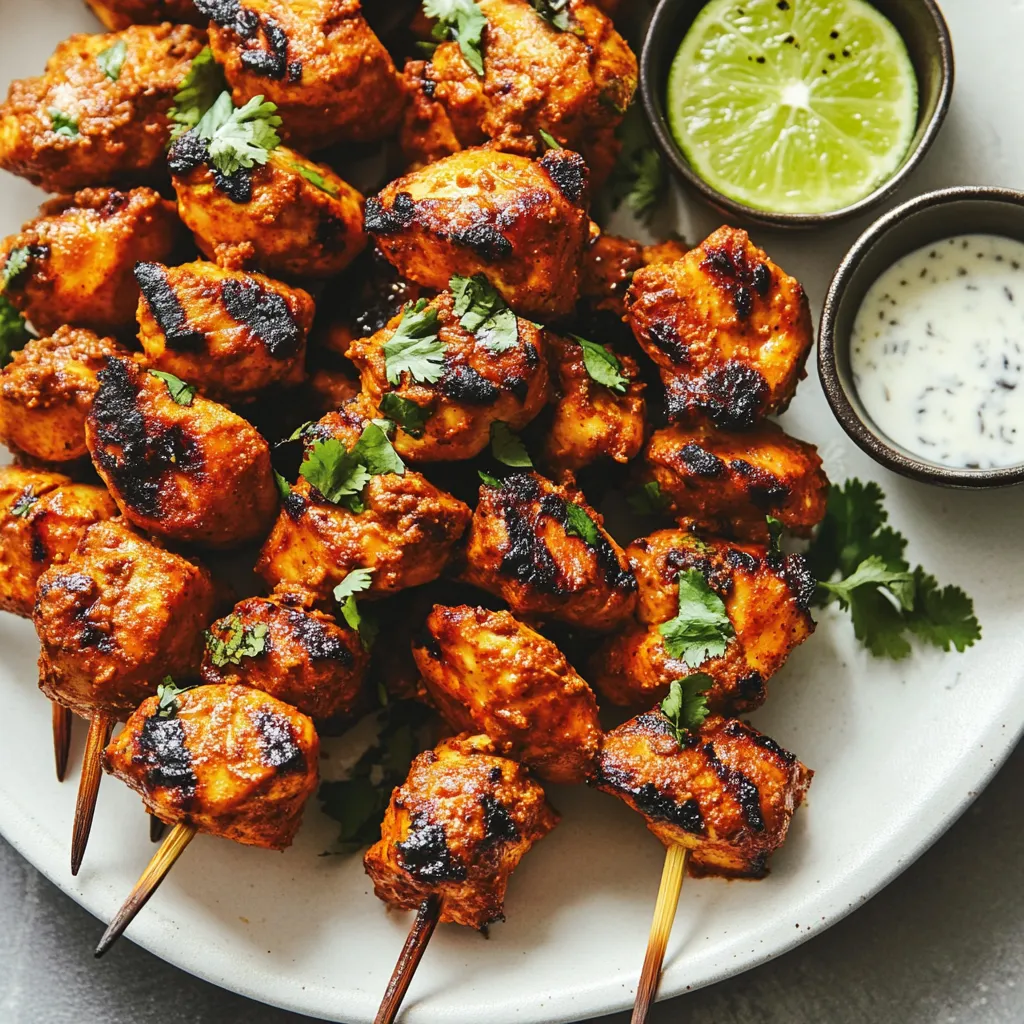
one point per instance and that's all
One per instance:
(900, 750)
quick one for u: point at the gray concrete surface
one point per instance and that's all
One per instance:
(944, 944)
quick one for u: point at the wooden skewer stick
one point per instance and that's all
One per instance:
(61, 738)
(156, 828)
(415, 946)
(661, 928)
(88, 786)
(156, 870)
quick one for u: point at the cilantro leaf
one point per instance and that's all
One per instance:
(13, 332)
(483, 312)
(850, 532)
(507, 447)
(283, 487)
(943, 617)
(874, 572)
(167, 697)
(354, 583)
(197, 93)
(239, 137)
(556, 13)
(314, 177)
(579, 524)
(685, 705)
(490, 481)
(549, 140)
(242, 642)
(337, 474)
(412, 418)
(463, 21)
(415, 347)
(16, 264)
(638, 178)
(648, 501)
(182, 393)
(774, 537)
(63, 124)
(602, 366)
(111, 60)
(701, 628)
(375, 451)
(23, 505)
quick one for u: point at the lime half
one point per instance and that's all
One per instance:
(793, 106)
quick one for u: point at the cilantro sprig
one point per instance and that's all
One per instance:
(412, 418)
(341, 475)
(602, 365)
(860, 562)
(24, 502)
(167, 697)
(182, 393)
(463, 21)
(239, 137)
(508, 448)
(415, 347)
(555, 13)
(15, 265)
(483, 312)
(242, 642)
(197, 93)
(13, 331)
(685, 705)
(701, 628)
(356, 582)
(638, 179)
(579, 524)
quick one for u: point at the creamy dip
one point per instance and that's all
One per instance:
(937, 352)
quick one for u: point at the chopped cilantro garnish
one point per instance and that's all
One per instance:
(13, 332)
(639, 178)
(354, 583)
(167, 697)
(482, 311)
(182, 393)
(490, 481)
(23, 505)
(579, 524)
(415, 348)
(507, 447)
(556, 13)
(686, 705)
(111, 60)
(16, 264)
(314, 177)
(648, 501)
(549, 140)
(239, 137)
(701, 629)
(412, 418)
(602, 365)
(198, 92)
(242, 642)
(341, 475)
(63, 124)
(774, 537)
(283, 487)
(463, 21)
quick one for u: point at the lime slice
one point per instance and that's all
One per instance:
(793, 106)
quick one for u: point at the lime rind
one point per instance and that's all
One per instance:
(804, 106)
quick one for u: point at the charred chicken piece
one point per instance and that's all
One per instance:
(728, 482)
(327, 390)
(486, 671)
(457, 828)
(575, 84)
(116, 617)
(77, 126)
(766, 596)
(46, 391)
(405, 532)
(286, 646)
(542, 549)
(232, 333)
(318, 60)
(478, 386)
(119, 14)
(591, 421)
(194, 473)
(521, 223)
(73, 264)
(42, 518)
(727, 793)
(290, 216)
(230, 761)
(729, 329)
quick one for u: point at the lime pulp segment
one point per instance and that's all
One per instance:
(793, 106)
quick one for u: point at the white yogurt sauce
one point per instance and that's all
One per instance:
(937, 352)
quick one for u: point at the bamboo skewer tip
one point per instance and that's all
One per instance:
(427, 916)
(61, 718)
(100, 726)
(661, 928)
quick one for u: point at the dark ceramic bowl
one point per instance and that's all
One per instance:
(926, 36)
(970, 209)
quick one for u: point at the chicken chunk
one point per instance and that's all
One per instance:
(80, 124)
(327, 390)
(591, 420)
(727, 793)
(179, 465)
(479, 384)
(42, 518)
(232, 333)
(542, 549)
(404, 531)
(286, 646)
(574, 84)
(289, 216)
(521, 223)
(119, 14)
(767, 599)
(230, 761)
(116, 617)
(46, 391)
(728, 327)
(487, 672)
(73, 264)
(457, 828)
(318, 60)
(728, 482)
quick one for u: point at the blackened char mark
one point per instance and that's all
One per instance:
(701, 462)
(568, 171)
(498, 823)
(652, 803)
(742, 789)
(752, 689)
(273, 62)
(485, 240)
(463, 384)
(278, 748)
(382, 220)
(742, 560)
(666, 339)
(187, 152)
(425, 854)
(738, 728)
(734, 395)
(265, 313)
(527, 558)
(294, 505)
(317, 643)
(734, 272)
(800, 580)
(165, 307)
(764, 490)
(237, 186)
(165, 756)
(222, 12)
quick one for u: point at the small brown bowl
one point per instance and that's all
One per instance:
(969, 209)
(926, 35)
